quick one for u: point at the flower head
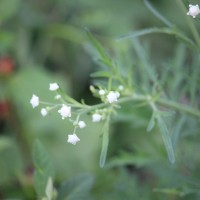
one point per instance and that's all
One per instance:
(81, 124)
(193, 10)
(44, 112)
(96, 117)
(73, 139)
(34, 101)
(53, 86)
(112, 96)
(65, 111)
(102, 92)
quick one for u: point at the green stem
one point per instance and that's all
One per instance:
(137, 97)
(164, 102)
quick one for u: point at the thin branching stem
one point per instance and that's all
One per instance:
(145, 98)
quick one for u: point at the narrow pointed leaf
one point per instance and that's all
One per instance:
(101, 74)
(43, 168)
(170, 31)
(157, 14)
(105, 142)
(151, 123)
(166, 139)
(76, 188)
(104, 57)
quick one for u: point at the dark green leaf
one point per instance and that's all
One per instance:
(151, 123)
(167, 139)
(101, 74)
(104, 57)
(77, 188)
(105, 142)
(43, 168)
(169, 31)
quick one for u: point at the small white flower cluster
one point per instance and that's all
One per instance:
(193, 10)
(65, 109)
(111, 96)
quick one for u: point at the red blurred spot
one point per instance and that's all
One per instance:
(6, 65)
(4, 109)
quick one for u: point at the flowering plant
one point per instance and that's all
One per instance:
(142, 85)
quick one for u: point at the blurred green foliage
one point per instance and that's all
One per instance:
(45, 41)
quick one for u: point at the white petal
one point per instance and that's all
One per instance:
(96, 117)
(44, 112)
(73, 139)
(102, 92)
(53, 86)
(65, 111)
(82, 124)
(34, 101)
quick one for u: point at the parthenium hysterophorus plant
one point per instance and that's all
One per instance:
(120, 86)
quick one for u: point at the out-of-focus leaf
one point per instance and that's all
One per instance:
(43, 168)
(104, 57)
(157, 14)
(65, 31)
(8, 8)
(125, 158)
(166, 139)
(10, 160)
(177, 191)
(105, 142)
(169, 31)
(77, 188)
(151, 123)
(101, 74)
(5, 143)
(6, 40)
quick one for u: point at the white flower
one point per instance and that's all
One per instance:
(82, 124)
(112, 96)
(102, 92)
(65, 111)
(121, 87)
(96, 117)
(53, 86)
(193, 10)
(57, 96)
(34, 101)
(44, 112)
(73, 139)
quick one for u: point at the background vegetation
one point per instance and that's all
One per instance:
(45, 41)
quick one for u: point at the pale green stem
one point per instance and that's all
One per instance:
(136, 97)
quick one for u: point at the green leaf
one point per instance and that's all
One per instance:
(65, 31)
(71, 100)
(101, 74)
(5, 142)
(157, 14)
(170, 31)
(105, 142)
(43, 168)
(166, 138)
(8, 8)
(77, 188)
(104, 57)
(6, 40)
(126, 158)
(151, 123)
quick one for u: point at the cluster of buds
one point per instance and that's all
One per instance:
(65, 109)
